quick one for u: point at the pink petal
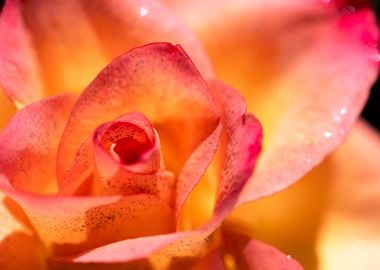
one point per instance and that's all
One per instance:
(349, 237)
(241, 146)
(30, 141)
(252, 254)
(297, 145)
(19, 70)
(146, 157)
(69, 42)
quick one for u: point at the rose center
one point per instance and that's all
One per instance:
(126, 142)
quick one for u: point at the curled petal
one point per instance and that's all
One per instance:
(131, 142)
(238, 149)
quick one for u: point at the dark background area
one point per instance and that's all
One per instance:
(371, 111)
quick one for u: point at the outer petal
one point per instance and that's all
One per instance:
(350, 234)
(251, 254)
(70, 225)
(17, 239)
(297, 63)
(30, 141)
(73, 40)
(19, 69)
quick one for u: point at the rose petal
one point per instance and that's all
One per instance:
(233, 164)
(349, 237)
(17, 239)
(252, 254)
(70, 225)
(30, 141)
(241, 146)
(129, 125)
(74, 40)
(297, 63)
(19, 69)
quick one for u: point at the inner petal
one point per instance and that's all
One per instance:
(126, 142)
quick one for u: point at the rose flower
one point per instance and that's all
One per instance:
(143, 166)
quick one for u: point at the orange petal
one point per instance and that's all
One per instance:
(70, 225)
(349, 237)
(30, 141)
(19, 70)
(69, 42)
(213, 260)
(304, 68)
(20, 247)
(7, 109)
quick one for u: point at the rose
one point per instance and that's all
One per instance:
(264, 185)
(117, 184)
(290, 219)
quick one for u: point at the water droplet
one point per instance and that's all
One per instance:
(144, 11)
(327, 134)
(343, 111)
(289, 257)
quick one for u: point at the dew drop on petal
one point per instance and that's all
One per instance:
(144, 11)
(327, 134)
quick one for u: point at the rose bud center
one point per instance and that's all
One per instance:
(126, 142)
